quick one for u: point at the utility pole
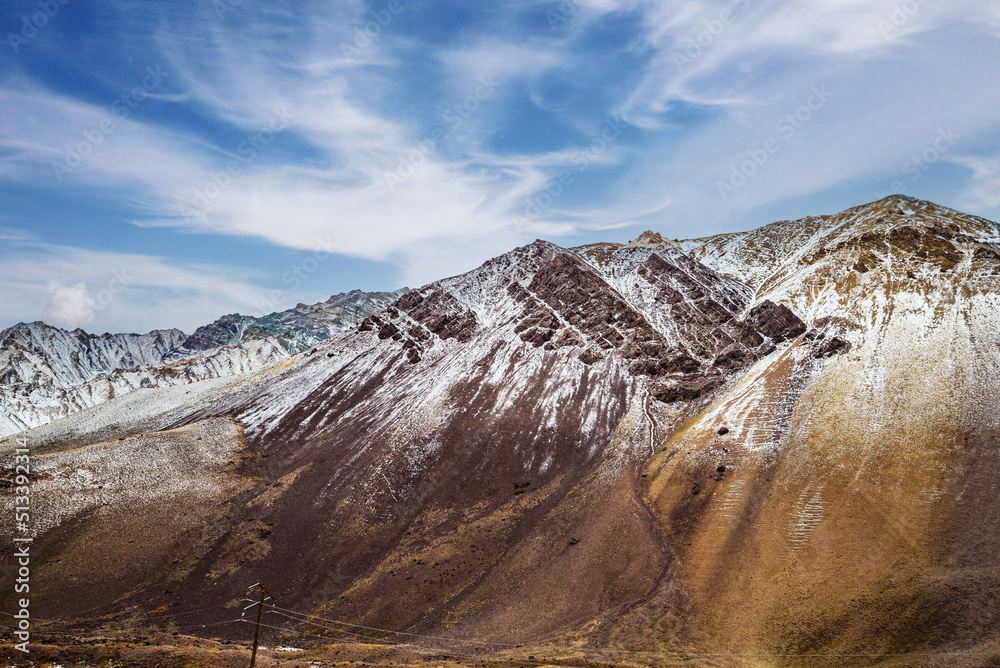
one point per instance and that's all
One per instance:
(264, 596)
(256, 632)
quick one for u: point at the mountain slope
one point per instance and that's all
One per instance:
(855, 506)
(295, 329)
(484, 430)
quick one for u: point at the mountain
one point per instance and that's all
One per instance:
(47, 373)
(37, 354)
(487, 415)
(36, 361)
(738, 448)
(856, 507)
(294, 330)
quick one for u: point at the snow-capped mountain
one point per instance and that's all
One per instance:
(38, 361)
(735, 446)
(47, 373)
(858, 502)
(38, 354)
(518, 400)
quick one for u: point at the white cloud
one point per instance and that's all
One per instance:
(70, 306)
(505, 61)
(697, 47)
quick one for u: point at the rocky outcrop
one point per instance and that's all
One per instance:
(775, 321)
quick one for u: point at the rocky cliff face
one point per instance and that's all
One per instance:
(618, 446)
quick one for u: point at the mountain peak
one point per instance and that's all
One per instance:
(649, 238)
(654, 240)
(912, 210)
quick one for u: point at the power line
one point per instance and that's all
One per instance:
(330, 628)
(292, 631)
(58, 633)
(33, 619)
(299, 618)
(177, 614)
(402, 633)
(202, 626)
(139, 613)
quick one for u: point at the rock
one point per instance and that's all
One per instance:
(830, 347)
(440, 313)
(686, 390)
(775, 321)
(735, 358)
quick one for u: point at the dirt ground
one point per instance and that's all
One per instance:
(168, 651)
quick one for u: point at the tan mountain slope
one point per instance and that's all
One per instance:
(843, 496)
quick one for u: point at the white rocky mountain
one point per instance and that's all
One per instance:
(47, 373)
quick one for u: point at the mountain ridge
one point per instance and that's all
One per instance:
(47, 373)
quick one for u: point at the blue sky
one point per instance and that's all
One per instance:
(163, 163)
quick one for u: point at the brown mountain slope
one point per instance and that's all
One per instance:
(459, 463)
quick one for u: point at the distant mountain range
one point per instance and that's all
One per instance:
(47, 373)
(773, 444)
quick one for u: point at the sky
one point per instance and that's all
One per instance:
(165, 163)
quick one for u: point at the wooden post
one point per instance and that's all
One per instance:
(256, 633)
